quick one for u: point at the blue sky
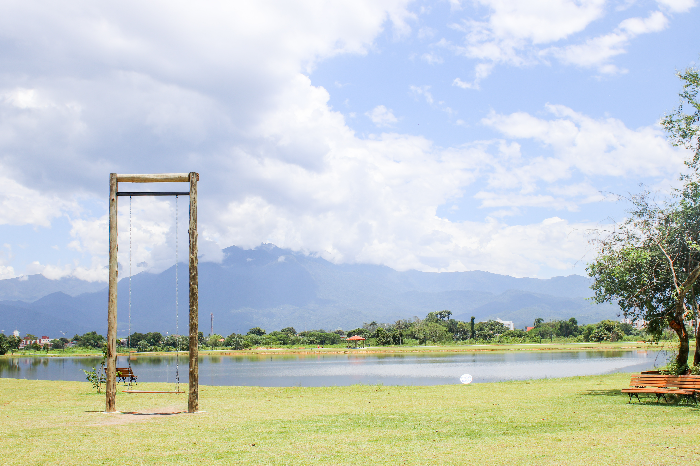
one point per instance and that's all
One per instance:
(431, 135)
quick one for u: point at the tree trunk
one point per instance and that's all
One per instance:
(683, 346)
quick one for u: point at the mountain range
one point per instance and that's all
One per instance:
(274, 288)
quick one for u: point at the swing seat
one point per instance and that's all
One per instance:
(124, 373)
(152, 391)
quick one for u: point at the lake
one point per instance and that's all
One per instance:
(315, 370)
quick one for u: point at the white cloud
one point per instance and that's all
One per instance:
(677, 6)
(481, 71)
(431, 58)
(424, 91)
(521, 33)
(598, 51)
(24, 206)
(223, 89)
(538, 21)
(594, 146)
(382, 116)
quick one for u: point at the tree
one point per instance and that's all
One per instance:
(651, 263)
(57, 344)
(444, 315)
(289, 331)
(256, 331)
(606, 330)
(489, 330)
(213, 340)
(471, 325)
(425, 331)
(383, 337)
(154, 338)
(90, 340)
(236, 342)
(684, 130)
(462, 331)
(13, 343)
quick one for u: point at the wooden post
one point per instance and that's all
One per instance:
(111, 389)
(193, 399)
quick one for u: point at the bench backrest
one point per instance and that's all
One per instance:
(666, 381)
(123, 371)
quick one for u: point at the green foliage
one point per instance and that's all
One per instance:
(214, 341)
(383, 337)
(320, 337)
(462, 331)
(606, 330)
(4, 344)
(256, 331)
(96, 377)
(57, 344)
(362, 332)
(425, 331)
(90, 340)
(236, 342)
(487, 331)
(13, 343)
(673, 368)
(682, 127)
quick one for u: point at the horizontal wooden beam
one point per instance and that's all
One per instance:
(153, 193)
(155, 178)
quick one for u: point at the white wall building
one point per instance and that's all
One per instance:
(507, 323)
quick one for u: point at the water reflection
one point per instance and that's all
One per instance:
(347, 369)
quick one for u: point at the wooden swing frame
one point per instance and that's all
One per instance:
(114, 179)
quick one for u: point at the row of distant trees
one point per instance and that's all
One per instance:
(436, 327)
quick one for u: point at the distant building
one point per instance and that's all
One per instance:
(44, 340)
(527, 329)
(16, 333)
(507, 323)
(639, 324)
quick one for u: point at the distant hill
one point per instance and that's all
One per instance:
(33, 287)
(275, 288)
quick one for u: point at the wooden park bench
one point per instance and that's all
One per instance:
(687, 386)
(124, 373)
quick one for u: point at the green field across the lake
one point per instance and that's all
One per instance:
(578, 420)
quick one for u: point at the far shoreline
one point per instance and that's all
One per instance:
(378, 350)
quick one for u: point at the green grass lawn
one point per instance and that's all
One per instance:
(579, 420)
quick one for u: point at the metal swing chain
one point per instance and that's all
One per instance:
(177, 313)
(128, 338)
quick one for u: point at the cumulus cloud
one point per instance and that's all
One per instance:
(593, 146)
(598, 51)
(519, 33)
(677, 6)
(422, 91)
(224, 90)
(382, 116)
